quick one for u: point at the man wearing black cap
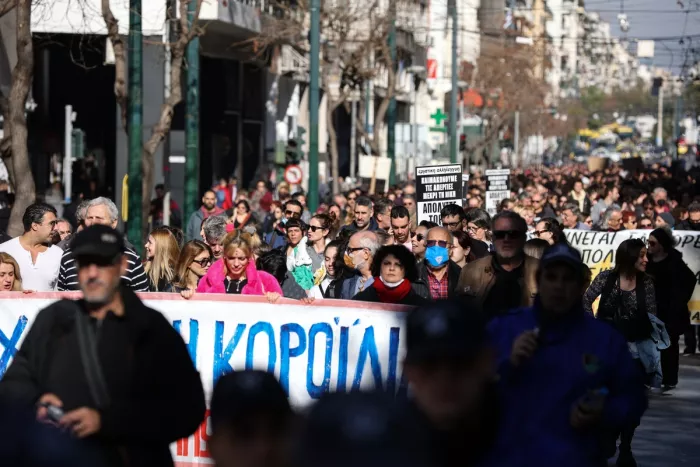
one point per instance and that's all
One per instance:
(107, 368)
(564, 376)
(674, 283)
(450, 367)
(251, 421)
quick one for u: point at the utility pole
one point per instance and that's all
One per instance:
(315, 53)
(660, 118)
(135, 124)
(391, 111)
(516, 138)
(192, 121)
(453, 93)
(353, 136)
(68, 156)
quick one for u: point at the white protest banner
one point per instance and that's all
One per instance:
(598, 252)
(332, 345)
(497, 188)
(436, 187)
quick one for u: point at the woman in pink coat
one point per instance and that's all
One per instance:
(235, 272)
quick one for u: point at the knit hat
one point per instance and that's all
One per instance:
(668, 218)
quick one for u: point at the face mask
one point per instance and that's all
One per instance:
(347, 259)
(391, 284)
(283, 220)
(437, 256)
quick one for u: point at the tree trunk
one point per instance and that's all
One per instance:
(120, 90)
(333, 145)
(21, 81)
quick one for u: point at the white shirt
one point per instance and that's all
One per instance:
(40, 276)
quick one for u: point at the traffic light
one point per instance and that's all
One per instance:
(295, 152)
(462, 142)
(78, 143)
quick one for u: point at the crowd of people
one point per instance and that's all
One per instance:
(504, 304)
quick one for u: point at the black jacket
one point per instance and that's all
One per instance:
(351, 228)
(422, 287)
(674, 283)
(370, 295)
(155, 392)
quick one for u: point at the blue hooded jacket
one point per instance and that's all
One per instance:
(576, 354)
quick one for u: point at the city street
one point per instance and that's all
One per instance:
(670, 432)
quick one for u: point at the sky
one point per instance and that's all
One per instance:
(658, 19)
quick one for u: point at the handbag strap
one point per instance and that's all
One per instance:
(88, 356)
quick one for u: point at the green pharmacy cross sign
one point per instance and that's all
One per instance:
(439, 116)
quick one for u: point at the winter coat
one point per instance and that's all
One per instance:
(477, 278)
(674, 284)
(575, 355)
(258, 282)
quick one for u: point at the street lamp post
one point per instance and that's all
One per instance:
(135, 123)
(314, 98)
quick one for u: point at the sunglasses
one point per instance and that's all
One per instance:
(451, 224)
(352, 198)
(440, 243)
(314, 228)
(202, 262)
(292, 213)
(418, 237)
(540, 232)
(353, 250)
(510, 234)
(646, 225)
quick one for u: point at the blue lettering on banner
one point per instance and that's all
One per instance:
(343, 359)
(289, 352)
(394, 334)
(194, 337)
(222, 356)
(368, 347)
(257, 328)
(316, 391)
(10, 344)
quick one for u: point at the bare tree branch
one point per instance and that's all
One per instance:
(120, 69)
(6, 6)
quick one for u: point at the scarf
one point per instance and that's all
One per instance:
(391, 294)
(299, 264)
(214, 212)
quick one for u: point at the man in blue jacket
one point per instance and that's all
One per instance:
(565, 378)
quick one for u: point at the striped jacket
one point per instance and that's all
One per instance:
(135, 278)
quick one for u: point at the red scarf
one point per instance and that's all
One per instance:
(391, 294)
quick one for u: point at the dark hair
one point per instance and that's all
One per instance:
(273, 262)
(664, 237)
(363, 201)
(293, 202)
(648, 203)
(245, 203)
(452, 210)
(552, 225)
(400, 252)
(465, 241)
(627, 255)
(482, 218)
(428, 225)
(694, 207)
(515, 218)
(295, 223)
(325, 220)
(34, 214)
(177, 233)
(381, 205)
(399, 212)
(503, 204)
(337, 244)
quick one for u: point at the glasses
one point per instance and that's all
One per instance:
(289, 213)
(539, 232)
(352, 198)
(440, 243)
(451, 225)
(314, 228)
(473, 228)
(353, 250)
(202, 262)
(646, 225)
(418, 237)
(511, 234)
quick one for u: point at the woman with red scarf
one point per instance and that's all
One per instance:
(394, 270)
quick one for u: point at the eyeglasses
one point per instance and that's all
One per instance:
(539, 232)
(646, 225)
(418, 237)
(440, 243)
(289, 213)
(353, 250)
(202, 262)
(511, 234)
(352, 198)
(451, 225)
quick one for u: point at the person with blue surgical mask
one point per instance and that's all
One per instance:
(437, 274)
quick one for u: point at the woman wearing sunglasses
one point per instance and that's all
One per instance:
(317, 239)
(193, 263)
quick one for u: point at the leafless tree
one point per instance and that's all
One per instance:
(14, 149)
(185, 32)
(354, 50)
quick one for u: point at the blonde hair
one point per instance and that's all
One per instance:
(241, 240)
(6, 258)
(189, 252)
(163, 263)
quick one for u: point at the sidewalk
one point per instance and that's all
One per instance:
(669, 435)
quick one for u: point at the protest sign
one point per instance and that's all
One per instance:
(332, 345)
(497, 188)
(598, 252)
(436, 187)
(465, 185)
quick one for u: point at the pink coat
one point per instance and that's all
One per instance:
(259, 282)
